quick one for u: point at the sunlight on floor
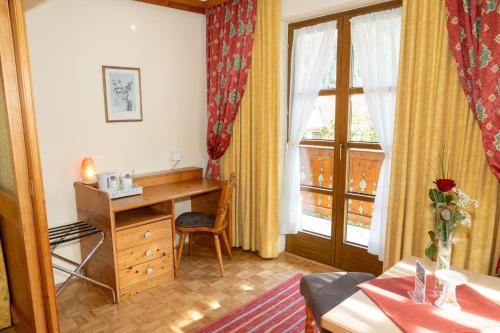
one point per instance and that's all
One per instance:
(195, 298)
(214, 304)
(246, 287)
(195, 315)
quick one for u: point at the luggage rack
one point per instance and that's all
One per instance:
(69, 233)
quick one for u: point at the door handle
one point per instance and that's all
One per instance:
(341, 149)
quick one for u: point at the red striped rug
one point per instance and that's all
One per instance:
(280, 310)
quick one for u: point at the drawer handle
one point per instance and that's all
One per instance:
(148, 234)
(149, 270)
(148, 253)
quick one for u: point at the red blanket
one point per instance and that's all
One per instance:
(478, 313)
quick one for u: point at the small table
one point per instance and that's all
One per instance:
(359, 313)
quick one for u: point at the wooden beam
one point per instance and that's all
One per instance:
(213, 3)
(195, 6)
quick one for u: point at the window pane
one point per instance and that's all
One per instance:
(364, 170)
(316, 166)
(321, 125)
(361, 128)
(355, 73)
(317, 213)
(330, 78)
(359, 219)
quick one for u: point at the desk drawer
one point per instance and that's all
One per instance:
(150, 283)
(143, 253)
(143, 234)
(140, 273)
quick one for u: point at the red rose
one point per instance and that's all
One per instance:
(445, 185)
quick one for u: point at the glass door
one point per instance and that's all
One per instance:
(317, 171)
(361, 159)
(340, 162)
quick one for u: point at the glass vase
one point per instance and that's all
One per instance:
(443, 262)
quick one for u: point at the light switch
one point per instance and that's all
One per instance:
(175, 156)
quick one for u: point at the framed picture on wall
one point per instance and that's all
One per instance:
(122, 94)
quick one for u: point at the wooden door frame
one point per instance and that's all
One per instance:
(340, 252)
(344, 251)
(21, 50)
(26, 166)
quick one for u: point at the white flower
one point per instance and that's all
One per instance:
(446, 214)
(464, 200)
(466, 220)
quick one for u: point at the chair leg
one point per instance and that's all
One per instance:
(190, 242)
(226, 242)
(219, 255)
(309, 320)
(181, 247)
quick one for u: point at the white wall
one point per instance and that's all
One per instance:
(69, 41)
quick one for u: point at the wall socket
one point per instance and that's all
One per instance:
(175, 156)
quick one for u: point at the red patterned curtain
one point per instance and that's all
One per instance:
(230, 35)
(474, 34)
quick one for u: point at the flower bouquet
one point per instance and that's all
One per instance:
(449, 206)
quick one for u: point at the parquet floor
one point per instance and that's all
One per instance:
(195, 298)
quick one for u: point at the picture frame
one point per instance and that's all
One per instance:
(122, 94)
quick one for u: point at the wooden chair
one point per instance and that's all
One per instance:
(192, 222)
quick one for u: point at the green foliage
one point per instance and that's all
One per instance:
(327, 132)
(431, 249)
(436, 196)
(362, 128)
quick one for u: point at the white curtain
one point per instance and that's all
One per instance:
(376, 41)
(312, 47)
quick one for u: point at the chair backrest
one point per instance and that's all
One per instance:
(225, 202)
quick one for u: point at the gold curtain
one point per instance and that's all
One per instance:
(432, 114)
(254, 153)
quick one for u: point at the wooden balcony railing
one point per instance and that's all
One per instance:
(362, 178)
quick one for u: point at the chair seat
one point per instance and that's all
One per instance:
(194, 220)
(324, 291)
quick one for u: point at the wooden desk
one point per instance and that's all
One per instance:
(156, 194)
(139, 247)
(359, 313)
